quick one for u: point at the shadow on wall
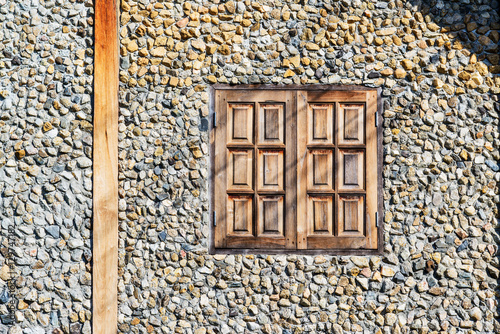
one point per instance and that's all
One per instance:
(472, 28)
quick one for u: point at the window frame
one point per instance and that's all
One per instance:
(214, 115)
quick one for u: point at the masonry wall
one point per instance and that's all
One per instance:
(46, 59)
(437, 65)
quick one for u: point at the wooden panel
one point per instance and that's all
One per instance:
(334, 95)
(351, 122)
(320, 124)
(290, 228)
(240, 171)
(351, 170)
(320, 170)
(302, 162)
(256, 243)
(220, 171)
(320, 215)
(270, 221)
(337, 243)
(239, 216)
(240, 123)
(351, 216)
(373, 174)
(105, 172)
(270, 172)
(271, 124)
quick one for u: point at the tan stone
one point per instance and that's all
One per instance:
(312, 46)
(386, 32)
(132, 46)
(407, 64)
(387, 72)
(289, 73)
(158, 52)
(295, 61)
(400, 73)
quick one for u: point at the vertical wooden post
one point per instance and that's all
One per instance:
(105, 155)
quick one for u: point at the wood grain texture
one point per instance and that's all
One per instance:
(105, 157)
(284, 142)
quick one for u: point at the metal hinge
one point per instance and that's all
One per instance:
(215, 120)
(376, 119)
(376, 219)
(215, 220)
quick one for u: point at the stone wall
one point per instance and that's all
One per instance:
(46, 59)
(437, 63)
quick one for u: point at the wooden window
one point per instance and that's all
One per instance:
(296, 170)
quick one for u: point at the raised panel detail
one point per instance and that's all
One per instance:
(240, 123)
(270, 170)
(239, 215)
(320, 170)
(351, 216)
(320, 215)
(239, 171)
(320, 124)
(271, 124)
(271, 211)
(351, 170)
(351, 124)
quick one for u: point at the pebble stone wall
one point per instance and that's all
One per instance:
(46, 59)
(437, 63)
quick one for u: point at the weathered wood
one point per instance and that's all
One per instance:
(239, 215)
(240, 123)
(239, 170)
(271, 124)
(302, 139)
(270, 220)
(319, 170)
(291, 171)
(351, 170)
(371, 171)
(220, 171)
(334, 142)
(351, 124)
(270, 170)
(320, 124)
(105, 159)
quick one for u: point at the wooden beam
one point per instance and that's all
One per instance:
(105, 155)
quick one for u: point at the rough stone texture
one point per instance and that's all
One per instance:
(437, 63)
(46, 59)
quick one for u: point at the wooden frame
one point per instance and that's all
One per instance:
(105, 158)
(371, 98)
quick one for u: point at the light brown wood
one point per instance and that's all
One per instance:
(320, 124)
(303, 134)
(320, 215)
(270, 170)
(220, 171)
(351, 170)
(105, 159)
(240, 170)
(239, 215)
(290, 169)
(371, 168)
(310, 187)
(270, 222)
(350, 216)
(351, 125)
(240, 123)
(271, 124)
(320, 170)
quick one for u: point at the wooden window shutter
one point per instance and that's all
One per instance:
(295, 170)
